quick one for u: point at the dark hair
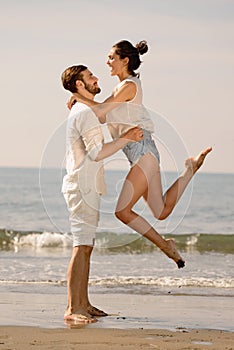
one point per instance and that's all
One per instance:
(125, 49)
(71, 75)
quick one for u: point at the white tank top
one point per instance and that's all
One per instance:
(129, 114)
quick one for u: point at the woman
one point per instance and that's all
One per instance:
(143, 179)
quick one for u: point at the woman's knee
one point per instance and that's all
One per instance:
(163, 214)
(122, 215)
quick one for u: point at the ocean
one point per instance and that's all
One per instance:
(35, 243)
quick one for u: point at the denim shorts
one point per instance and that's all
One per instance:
(135, 150)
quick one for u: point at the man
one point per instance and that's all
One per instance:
(83, 185)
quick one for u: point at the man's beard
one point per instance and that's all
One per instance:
(92, 89)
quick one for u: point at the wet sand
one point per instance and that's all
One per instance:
(35, 320)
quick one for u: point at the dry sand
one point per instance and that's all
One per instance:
(24, 338)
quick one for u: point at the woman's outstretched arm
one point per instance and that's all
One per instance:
(124, 94)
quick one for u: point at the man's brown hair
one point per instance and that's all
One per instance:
(71, 75)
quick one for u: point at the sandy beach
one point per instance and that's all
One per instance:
(34, 320)
(24, 338)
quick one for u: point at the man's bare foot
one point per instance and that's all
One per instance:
(172, 253)
(79, 316)
(194, 163)
(94, 311)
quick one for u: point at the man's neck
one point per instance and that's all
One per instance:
(88, 95)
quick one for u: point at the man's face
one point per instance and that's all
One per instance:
(90, 82)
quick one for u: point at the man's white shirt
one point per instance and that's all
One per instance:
(84, 140)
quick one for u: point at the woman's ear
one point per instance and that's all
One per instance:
(126, 60)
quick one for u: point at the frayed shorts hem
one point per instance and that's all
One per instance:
(135, 150)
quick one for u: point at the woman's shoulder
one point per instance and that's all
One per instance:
(129, 80)
(133, 79)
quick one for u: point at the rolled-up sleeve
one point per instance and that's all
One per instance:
(91, 133)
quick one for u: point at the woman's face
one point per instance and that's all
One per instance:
(116, 64)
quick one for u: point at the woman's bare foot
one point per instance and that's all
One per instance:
(194, 163)
(79, 316)
(94, 311)
(172, 253)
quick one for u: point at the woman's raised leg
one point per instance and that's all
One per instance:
(136, 186)
(164, 205)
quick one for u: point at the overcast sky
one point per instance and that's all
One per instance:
(187, 75)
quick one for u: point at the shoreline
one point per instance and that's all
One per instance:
(44, 308)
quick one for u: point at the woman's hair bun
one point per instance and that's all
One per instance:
(142, 47)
